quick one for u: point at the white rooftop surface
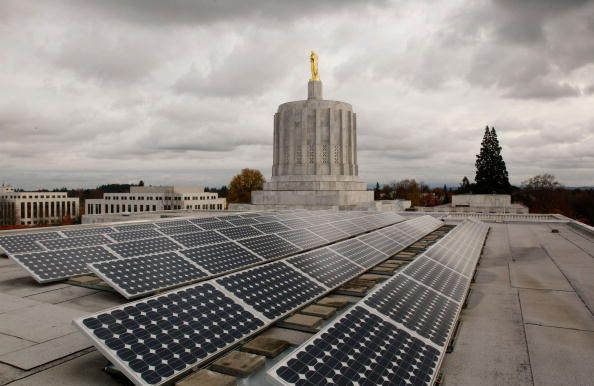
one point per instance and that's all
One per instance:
(529, 319)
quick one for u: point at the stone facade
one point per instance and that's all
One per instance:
(314, 155)
(36, 208)
(155, 198)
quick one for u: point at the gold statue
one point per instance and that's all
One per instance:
(313, 59)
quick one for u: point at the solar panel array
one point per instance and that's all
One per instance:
(398, 334)
(156, 339)
(143, 239)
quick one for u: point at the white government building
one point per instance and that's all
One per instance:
(35, 208)
(153, 199)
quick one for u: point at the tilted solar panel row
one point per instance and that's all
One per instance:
(224, 258)
(157, 339)
(25, 242)
(398, 334)
(214, 258)
(131, 240)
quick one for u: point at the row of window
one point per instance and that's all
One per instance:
(30, 196)
(151, 198)
(142, 198)
(206, 207)
(48, 209)
(135, 208)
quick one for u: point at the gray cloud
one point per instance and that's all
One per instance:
(185, 91)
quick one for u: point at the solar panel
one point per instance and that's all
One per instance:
(243, 221)
(199, 238)
(359, 252)
(135, 235)
(359, 349)
(146, 274)
(366, 223)
(328, 232)
(348, 227)
(230, 217)
(381, 242)
(418, 308)
(176, 230)
(134, 227)
(241, 232)
(273, 289)
(267, 218)
(203, 220)
(438, 277)
(326, 266)
(74, 242)
(215, 225)
(172, 223)
(219, 258)
(269, 246)
(397, 235)
(48, 266)
(297, 223)
(303, 238)
(154, 340)
(144, 247)
(17, 243)
(250, 215)
(87, 232)
(272, 227)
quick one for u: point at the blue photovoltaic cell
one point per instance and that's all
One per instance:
(136, 235)
(359, 252)
(26, 242)
(219, 258)
(303, 238)
(273, 289)
(74, 242)
(240, 232)
(156, 339)
(88, 231)
(144, 247)
(133, 227)
(272, 227)
(58, 265)
(269, 246)
(418, 308)
(199, 238)
(360, 349)
(438, 277)
(146, 274)
(172, 223)
(188, 228)
(326, 267)
(215, 225)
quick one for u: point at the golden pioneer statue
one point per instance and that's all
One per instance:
(313, 58)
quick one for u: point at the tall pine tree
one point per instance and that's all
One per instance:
(491, 173)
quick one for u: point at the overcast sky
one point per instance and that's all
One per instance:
(184, 91)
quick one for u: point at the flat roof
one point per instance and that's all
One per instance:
(529, 318)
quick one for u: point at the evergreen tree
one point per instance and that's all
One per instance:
(491, 172)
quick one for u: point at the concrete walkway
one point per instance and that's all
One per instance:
(529, 319)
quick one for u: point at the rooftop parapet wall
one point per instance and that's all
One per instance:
(481, 200)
